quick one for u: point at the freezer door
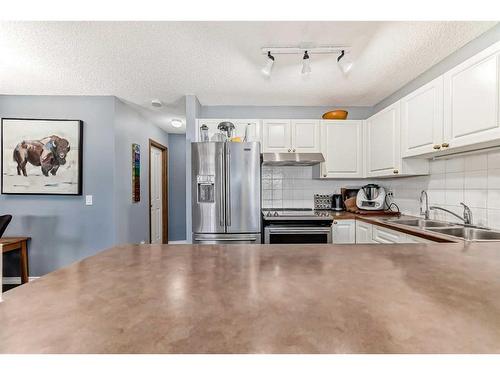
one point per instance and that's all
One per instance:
(208, 192)
(243, 187)
(227, 238)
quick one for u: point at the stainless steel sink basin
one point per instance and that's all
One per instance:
(422, 223)
(470, 234)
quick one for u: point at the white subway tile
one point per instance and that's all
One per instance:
(455, 165)
(267, 194)
(454, 180)
(437, 197)
(476, 198)
(476, 180)
(494, 219)
(437, 166)
(494, 179)
(277, 184)
(480, 216)
(277, 194)
(494, 159)
(476, 162)
(454, 197)
(494, 199)
(437, 181)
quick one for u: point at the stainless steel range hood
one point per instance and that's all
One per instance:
(292, 158)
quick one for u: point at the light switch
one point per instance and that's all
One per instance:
(88, 200)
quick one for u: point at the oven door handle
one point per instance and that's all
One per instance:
(298, 230)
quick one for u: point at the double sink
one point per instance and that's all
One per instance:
(466, 232)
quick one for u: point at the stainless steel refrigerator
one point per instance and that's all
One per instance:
(226, 192)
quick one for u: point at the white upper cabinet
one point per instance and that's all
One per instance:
(249, 127)
(276, 136)
(342, 147)
(472, 100)
(290, 136)
(305, 136)
(383, 156)
(422, 120)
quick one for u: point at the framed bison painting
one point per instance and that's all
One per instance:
(42, 156)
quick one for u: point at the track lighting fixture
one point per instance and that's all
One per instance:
(344, 62)
(342, 51)
(266, 70)
(306, 64)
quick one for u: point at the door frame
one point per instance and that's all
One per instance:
(164, 183)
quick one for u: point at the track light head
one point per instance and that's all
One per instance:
(306, 65)
(266, 70)
(344, 63)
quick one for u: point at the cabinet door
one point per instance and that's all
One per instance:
(363, 232)
(342, 147)
(305, 135)
(251, 128)
(384, 235)
(276, 136)
(472, 100)
(383, 141)
(344, 231)
(416, 239)
(422, 120)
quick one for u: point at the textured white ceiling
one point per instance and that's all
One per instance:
(220, 61)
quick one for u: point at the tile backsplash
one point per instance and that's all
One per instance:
(472, 179)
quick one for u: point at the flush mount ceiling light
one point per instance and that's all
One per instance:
(306, 64)
(156, 103)
(305, 51)
(266, 70)
(344, 62)
(176, 123)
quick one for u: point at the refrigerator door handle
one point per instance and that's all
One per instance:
(222, 206)
(228, 187)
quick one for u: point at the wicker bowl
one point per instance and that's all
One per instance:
(338, 114)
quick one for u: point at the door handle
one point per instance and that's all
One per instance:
(445, 145)
(437, 147)
(228, 186)
(222, 206)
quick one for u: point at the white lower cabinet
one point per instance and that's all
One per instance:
(369, 233)
(384, 235)
(363, 232)
(344, 231)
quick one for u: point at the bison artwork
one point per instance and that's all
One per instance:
(49, 153)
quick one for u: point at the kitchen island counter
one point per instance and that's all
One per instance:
(401, 298)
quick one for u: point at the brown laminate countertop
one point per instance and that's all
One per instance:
(401, 298)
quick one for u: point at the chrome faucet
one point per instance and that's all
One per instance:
(467, 218)
(426, 212)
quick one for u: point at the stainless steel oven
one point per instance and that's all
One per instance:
(288, 234)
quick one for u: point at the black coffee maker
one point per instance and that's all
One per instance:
(337, 202)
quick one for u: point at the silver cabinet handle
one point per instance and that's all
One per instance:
(228, 187)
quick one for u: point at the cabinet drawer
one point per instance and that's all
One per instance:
(384, 235)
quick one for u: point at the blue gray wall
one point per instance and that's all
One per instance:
(63, 229)
(176, 187)
(193, 111)
(273, 112)
(132, 219)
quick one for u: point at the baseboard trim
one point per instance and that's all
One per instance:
(177, 242)
(16, 280)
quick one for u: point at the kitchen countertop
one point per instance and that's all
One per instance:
(395, 298)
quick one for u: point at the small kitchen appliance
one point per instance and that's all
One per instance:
(322, 201)
(371, 197)
(337, 202)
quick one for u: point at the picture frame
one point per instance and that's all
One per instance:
(41, 156)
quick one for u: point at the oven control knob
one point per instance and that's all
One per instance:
(275, 213)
